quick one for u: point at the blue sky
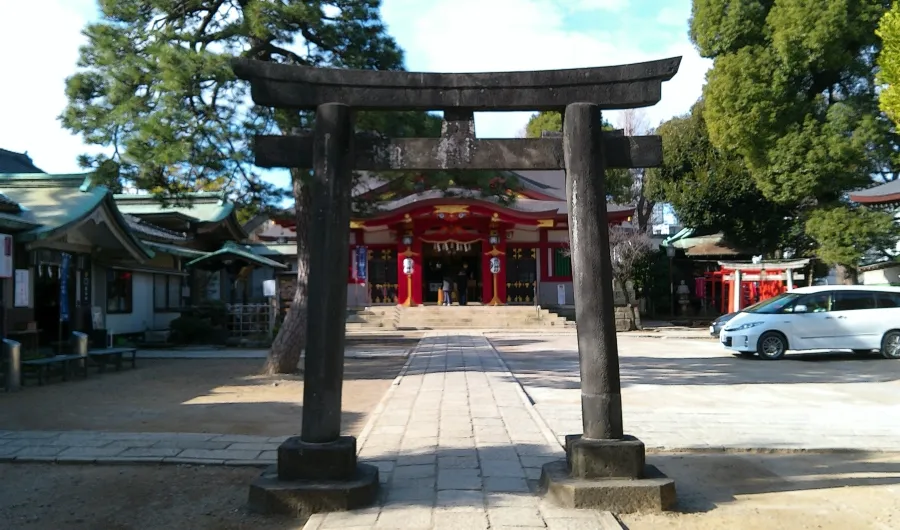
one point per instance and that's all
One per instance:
(438, 35)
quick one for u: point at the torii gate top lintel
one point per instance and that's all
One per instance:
(305, 88)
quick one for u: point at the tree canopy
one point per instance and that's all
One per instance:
(889, 62)
(792, 91)
(712, 189)
(154, 86)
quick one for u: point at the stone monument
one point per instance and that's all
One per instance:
(318, 470)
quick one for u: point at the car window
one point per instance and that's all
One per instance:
(886, 300)
(773, 305)
(815, 303)
(853, 300)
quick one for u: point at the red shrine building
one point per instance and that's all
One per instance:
(401, 252)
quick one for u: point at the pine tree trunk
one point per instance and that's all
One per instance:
(284, 357)
(845, 275)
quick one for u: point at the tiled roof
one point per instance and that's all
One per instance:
(12, 162)
(885, 193)
(149, 229)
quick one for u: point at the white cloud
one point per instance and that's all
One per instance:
(39, 40)
(508, 35)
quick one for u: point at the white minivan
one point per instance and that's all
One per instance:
(829, 317)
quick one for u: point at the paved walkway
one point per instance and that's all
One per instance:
(689, 394)
(458, 448)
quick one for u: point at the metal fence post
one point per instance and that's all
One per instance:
(12, 351)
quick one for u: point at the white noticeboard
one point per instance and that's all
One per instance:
(561, 294)
(23, 288)
(6, 256)
(268, 287)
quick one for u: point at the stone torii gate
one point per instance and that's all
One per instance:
(318, 471)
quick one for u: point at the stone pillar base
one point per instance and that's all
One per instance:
(607, 475)
(311, 478)
(655, 492)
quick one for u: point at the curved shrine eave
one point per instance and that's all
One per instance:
(459, 209)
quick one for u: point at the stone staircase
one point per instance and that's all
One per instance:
(390, 318)
(477, 317)
(373, 318)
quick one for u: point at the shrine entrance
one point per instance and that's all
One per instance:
(604, 469)
(453, 261)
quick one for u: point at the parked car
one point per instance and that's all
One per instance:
(720, 322)
(859, 318)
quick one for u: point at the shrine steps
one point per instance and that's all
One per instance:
(453, 317)
(374, 318)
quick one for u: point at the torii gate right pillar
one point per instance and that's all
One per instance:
(604, 468)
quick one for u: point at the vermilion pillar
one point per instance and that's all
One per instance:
(493, 286)
(409, 287)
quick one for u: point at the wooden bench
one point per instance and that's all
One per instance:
(44, 366)
(102, 356)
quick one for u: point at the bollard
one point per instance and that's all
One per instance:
(12, 351)
(79, 343)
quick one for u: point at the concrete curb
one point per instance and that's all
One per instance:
(526, 401)
(134, 460)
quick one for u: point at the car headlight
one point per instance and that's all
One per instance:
(748, 325)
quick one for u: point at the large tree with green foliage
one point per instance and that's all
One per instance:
(154, 87)
(710, 188)
(793, 91)
(889, 62)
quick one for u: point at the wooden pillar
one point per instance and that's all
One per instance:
(329, 232)
(601, 401)
(737, 291)
(789, 273)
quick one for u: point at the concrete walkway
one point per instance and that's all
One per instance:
(689, 394)
(459, 447)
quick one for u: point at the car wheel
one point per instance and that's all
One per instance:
(771, 346)
(890, 345)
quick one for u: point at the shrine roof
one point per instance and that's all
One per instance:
(886, 193)
(12, 162)
(519, 205)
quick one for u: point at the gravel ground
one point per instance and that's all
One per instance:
(45, 497)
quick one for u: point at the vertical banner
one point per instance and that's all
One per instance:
(64, 287)
(362, 261)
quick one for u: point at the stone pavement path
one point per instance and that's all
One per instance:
(458, 447)
(85, 447)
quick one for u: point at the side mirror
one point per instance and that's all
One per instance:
(800, 308)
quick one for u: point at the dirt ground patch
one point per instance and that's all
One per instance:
(797, 491)
(205, 395)
(40, 497)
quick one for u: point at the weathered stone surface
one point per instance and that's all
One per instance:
(312, 461)
(374, 153)
(653, 493)
(601, 399)
(605, 458)
(610, 87)
(329, 232)
(303, 498)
